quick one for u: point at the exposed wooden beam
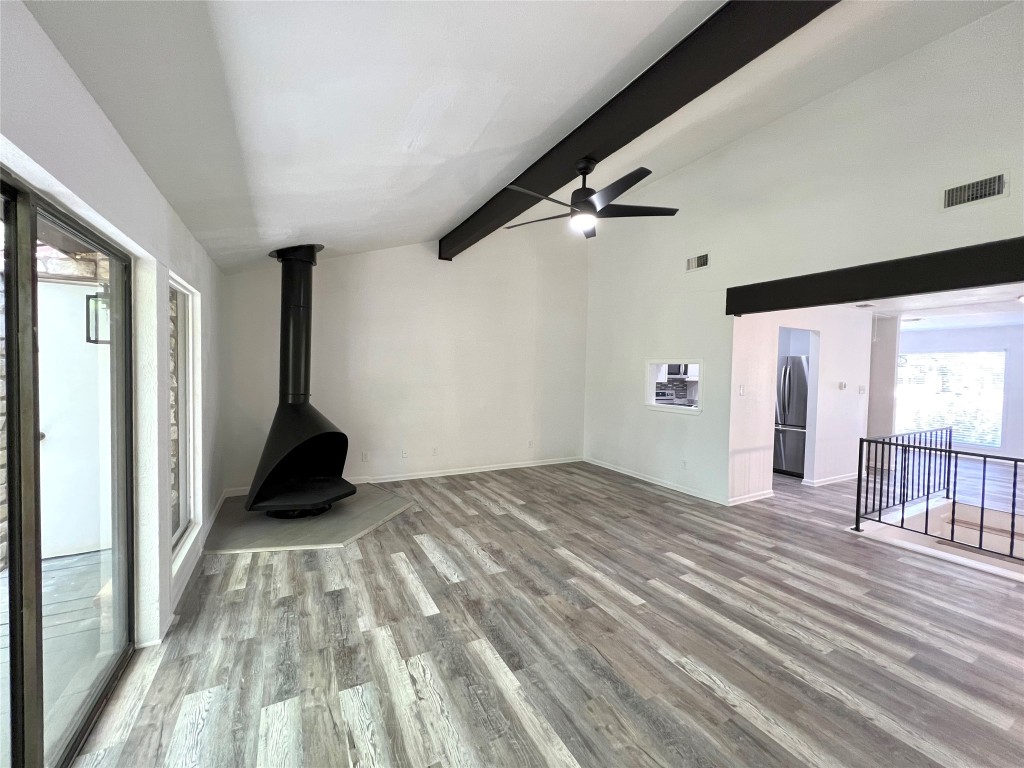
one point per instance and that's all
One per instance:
(973, 266)
(731, 38)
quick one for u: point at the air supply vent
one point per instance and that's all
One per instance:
(697, 262)
(993, 186)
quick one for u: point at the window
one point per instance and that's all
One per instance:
(959, 389)
(181, 411)
(674, 385)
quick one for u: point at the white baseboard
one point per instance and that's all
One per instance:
(461, 470)
(228, 492)
(652, 480)
(361, 480)
(828, 480)
(756, 496)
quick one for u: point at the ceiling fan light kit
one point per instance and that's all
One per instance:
(587, 206)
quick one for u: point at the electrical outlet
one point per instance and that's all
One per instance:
(435, 450)
(743, 390)
(366, 456)
(405, 454)
(684, 463)
(529, 444)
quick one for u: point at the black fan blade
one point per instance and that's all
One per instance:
(542, 197)
(592, 232)
(623, 211)
(549, 218)
(601, 198)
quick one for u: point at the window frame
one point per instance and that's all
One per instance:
(187, 406)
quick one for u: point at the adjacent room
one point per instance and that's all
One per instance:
(474, 384)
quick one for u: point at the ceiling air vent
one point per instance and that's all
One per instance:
(697, 262)
(993, 186)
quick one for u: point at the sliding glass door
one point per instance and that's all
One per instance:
(70, 553)
(5, 612)
(81, 368)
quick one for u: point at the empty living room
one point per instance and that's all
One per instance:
(508, 383)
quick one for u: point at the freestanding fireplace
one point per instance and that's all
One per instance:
(299, 473)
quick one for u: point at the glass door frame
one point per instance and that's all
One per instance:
(22, 203)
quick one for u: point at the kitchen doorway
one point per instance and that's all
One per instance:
(795, 401)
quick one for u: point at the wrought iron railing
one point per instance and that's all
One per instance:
(918, 482)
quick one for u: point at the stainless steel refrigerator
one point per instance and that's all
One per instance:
(791, 415)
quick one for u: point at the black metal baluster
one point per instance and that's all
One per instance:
(903, 489)
(949, 455)
(928, 453)
(911, 478)
(981, 523)
(952, 518)
(1013, 507)
(927, 438)
(872, 477)
(917, 466)
(860, 482)
(927, 495)
(878, 485)
(889, 473)
(931, 461)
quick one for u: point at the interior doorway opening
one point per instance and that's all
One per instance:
(796, 389)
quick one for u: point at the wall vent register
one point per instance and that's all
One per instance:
(697, 262)
(993, 186)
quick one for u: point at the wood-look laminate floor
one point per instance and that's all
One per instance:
(571, 616)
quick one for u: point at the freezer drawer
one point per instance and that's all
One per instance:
(789, 450)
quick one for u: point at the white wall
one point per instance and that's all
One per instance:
(840, 351)
(1007, 338)
(56, 137)
(475, 358)
(74, 414)
(885, 347)
(794, 341)
(853, 177)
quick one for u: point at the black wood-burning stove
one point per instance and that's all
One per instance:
(300, 471)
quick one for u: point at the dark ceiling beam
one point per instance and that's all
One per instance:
(732, 37)
(999, 262)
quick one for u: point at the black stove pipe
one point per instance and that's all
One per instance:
(297, 264)
(300, 469)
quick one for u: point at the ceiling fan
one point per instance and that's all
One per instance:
(587, 206)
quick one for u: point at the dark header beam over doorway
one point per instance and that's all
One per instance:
(973, 266)
(732, 37)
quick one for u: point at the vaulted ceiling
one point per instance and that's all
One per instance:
(359, 125)
(370, 125)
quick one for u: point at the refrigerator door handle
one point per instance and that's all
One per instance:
(785, 393)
